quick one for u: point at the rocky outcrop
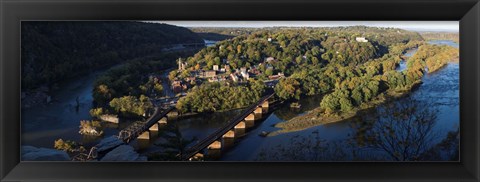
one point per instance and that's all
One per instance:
(109, 118)
(30, 153)
(108, 143)
(123, 153)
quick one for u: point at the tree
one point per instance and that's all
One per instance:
(288, 88)
(330, 103)
(131, 105)
(345, 104)
(269, 72)
(403, 129)
(172, 75)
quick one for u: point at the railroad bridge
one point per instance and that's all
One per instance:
(142, 130)
(225, 135)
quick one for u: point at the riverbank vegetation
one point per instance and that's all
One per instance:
(68, 146)
(433, 57)
(210, 97)
(131, 105)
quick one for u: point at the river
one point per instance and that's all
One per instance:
(60, 119)
(440, 88)
(42, 125)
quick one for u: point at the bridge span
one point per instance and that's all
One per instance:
(142, 129)
(231, 130)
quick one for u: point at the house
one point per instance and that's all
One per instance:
(217, 79)
(177, 86)
(215, 67)
(269, 59)
(361, 39)
(243, 69)
(269, 39)
(245, 75)
(234, 77)
(276, 77)
(210, 73)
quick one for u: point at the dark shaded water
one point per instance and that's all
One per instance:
(60, 119)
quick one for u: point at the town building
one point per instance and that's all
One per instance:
(234, 77)
(181, 65)
(245, 75)
(243, 70)
(177, 86)
(210, 73)
(276, 77)
(269, 59)
(361, 39)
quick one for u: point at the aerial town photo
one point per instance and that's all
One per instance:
(248, 91)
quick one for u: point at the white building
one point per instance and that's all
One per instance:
(361, 39)
(215, 67)
(245, 75)
(234, 77)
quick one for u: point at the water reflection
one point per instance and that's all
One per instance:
(402, 130)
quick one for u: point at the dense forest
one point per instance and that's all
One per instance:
(57, 50)
(315, 61)
(231, 32)
(453, 36)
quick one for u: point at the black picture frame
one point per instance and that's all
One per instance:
(12, 12)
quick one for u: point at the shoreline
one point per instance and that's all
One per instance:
(315, 117)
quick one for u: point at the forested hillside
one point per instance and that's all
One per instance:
(453, 36)
(343, 61)
(56, 50)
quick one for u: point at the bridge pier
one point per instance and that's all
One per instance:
(163, 121)
(249, 123)
(153, 128)
(229, 134)
(229, 138)
(215, 145)
(197, 157)
(172, 114)
(144, 136)
(250, 117)
(258, 110)
(265, 104)
(239, 129)
(214, 150)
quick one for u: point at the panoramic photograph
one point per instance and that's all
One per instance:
(246, 91)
